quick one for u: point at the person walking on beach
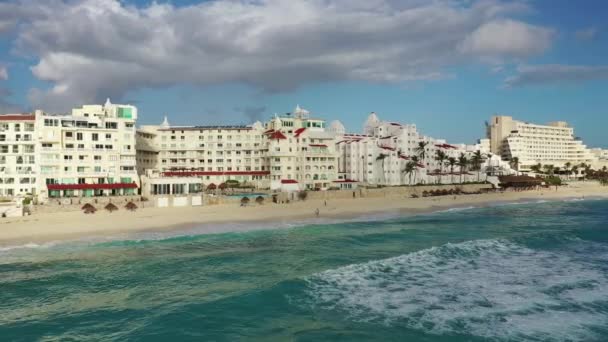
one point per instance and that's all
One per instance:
(317, 212)
(325, 202)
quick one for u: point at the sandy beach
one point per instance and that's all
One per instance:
(45, 227)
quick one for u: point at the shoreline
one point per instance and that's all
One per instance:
(73, 226)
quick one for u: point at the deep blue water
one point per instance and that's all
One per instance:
(526, 272)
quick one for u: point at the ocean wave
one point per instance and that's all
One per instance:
(29, 245)
(456, 209)
(493, 289)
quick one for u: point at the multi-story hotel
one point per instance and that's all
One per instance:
(301, 152)
(214, 153)
(554, 143)
(17, 155)
(289, 152)
(88, 153)
(379, 156)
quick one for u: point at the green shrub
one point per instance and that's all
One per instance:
(553, 180)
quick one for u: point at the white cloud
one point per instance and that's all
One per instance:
(507, 38)
(91, 49)
(3, 73)
(556, 73)
(586, 34)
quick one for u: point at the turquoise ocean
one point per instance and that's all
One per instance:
(505, 272)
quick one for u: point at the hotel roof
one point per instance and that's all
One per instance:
(196, 128)
(17, 117)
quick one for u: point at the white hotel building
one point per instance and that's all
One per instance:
(554, 143)
(290, 152)
(380, 154)
(88, 153)
(18, 168)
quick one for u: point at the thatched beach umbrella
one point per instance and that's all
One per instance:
(211, 186)
(223, 186)
(259, 200)
(89, 208)
(131, 206)
(111, 207)
(244, 200)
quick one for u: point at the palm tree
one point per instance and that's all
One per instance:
(585, 169)
(410, 168)
(416, 161)
(440, 156)
(575, 171)
(514, 162)
(548, 169)
(536, 168)
(567, 168)
(463, 162)
(476, 161)
(381, 157)
(421, 150)
(452, 162)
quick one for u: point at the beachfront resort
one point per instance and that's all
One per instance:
(97, 153)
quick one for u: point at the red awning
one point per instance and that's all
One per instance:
(317, 145)
(345, 181)
(214, 173)
(299, 131)
(289, 181)
(277, 135)
(108, 186)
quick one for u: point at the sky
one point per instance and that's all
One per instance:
(445, 65)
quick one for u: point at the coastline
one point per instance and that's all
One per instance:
(68, 226)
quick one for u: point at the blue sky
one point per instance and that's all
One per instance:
(446, 65)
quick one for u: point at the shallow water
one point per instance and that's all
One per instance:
(524, 272)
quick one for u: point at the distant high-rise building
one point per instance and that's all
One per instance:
(554, 143)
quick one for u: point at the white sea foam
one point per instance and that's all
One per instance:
(29, 245)
(456, 209)
(490, 288)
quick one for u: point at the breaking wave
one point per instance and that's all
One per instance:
(494, 289)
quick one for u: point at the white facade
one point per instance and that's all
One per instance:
(380, 155)
(288, 153)
(88, 153)
(214, 153)
(532, 144)
(600, 154)
(18, 168)
(301, 152)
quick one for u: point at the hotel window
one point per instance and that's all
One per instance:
(108, 136)
(78, 136)
(95, 137)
